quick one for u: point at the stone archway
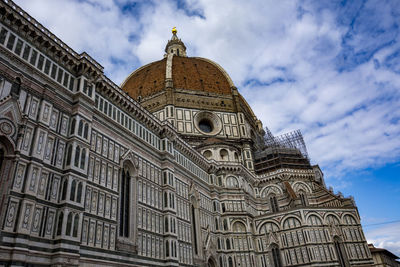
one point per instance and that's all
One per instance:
(211, 262)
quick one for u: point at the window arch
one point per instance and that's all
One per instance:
(291, 223)
(271, 189)
(332, 219)
(268, 227)
(314, 220)
(232, 182)
(349, 219)
(239, 227)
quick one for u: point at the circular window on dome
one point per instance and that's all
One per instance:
(208, 123)
(205, 125)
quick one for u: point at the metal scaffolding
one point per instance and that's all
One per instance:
(293, 140)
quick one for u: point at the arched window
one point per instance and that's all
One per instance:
(175, 249)
(223, 153)
(340, 251)
(303, 198)
(86, 131)
(166, 224)
(72, 129)
(276, 256)
(73, 188)
(69, 154)
(60, 222)
(273, 203)
(80, 128)
(194, 230)
(77, 154)
(83, 158)
(167, 248)
(228, 243)
(79, 193)
(230, 262)
(207, 154)
(76, 222)
(69, 224)
(165, 199)
(223, 207)
(220, 261)
(64, 189)
(225, 225)
(125, 204)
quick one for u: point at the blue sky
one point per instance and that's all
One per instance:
(329, 68)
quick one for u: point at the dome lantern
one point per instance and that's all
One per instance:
(175, 46)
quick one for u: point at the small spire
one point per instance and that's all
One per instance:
(175, 46)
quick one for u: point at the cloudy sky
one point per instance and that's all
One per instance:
(329, 68)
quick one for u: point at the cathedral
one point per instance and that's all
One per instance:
(170, 168)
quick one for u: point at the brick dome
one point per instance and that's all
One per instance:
(189, 73)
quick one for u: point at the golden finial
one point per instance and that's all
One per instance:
(174, 30)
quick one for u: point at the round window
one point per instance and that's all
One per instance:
(205, 125)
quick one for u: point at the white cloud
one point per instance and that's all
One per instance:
(386, 236)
